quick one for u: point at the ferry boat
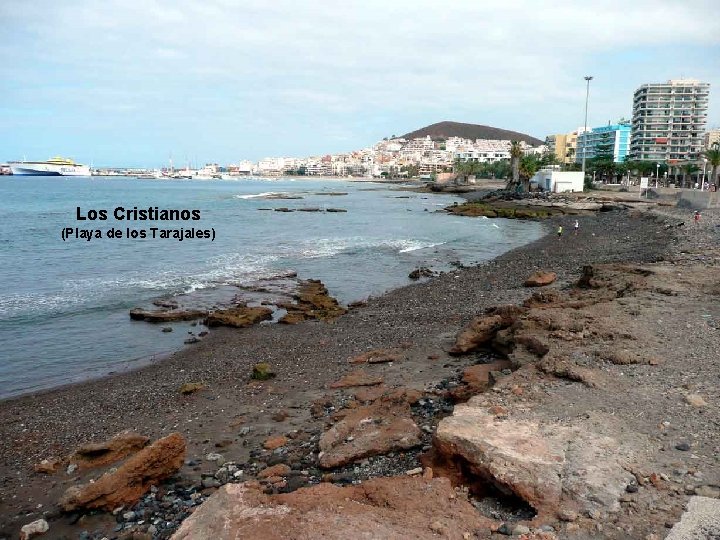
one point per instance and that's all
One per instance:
(57, 166)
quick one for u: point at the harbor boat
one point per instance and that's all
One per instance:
(57, 166)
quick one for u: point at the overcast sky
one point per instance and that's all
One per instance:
(130, 82)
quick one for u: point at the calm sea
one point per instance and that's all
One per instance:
(64, 304)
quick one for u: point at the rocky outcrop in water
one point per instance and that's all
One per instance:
(311, 302)
(239, 316)
(172, 315)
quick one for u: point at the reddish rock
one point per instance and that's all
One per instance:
(275, 442)
(276, 470)
(398, 507)
(357, 378)
(280, 416)
(382, 427)
(479, 332)
(239, 317)
(370, 393)
(48, 466)
(404, 395)
(100, 454)
(483, 329)
(540, 279)
(476, 379)
(131, 480)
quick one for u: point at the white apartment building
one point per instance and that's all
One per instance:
(417, 147)
(669, 120)
(244, 167)
(271, 166)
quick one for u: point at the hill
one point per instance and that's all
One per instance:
(443, 130)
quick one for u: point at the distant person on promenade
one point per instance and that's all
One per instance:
(559, 231)
(696, 217)
(576, 226)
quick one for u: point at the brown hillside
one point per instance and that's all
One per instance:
(443, 130)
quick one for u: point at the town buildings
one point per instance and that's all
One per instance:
(566, 146)
(669, 120)
(611, 140)
(712, 138)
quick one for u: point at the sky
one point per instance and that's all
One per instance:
(135, 82)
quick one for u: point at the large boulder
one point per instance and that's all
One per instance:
(397, 507)
(239, 316)
(104, 453)
(483, 329)
(131, 480)
(548, 465)
(384, 426)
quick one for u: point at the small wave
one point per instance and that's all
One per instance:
(328, 247)
(420, 245)
(260, 195)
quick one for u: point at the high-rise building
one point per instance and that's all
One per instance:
(669, 120)
(611, 141)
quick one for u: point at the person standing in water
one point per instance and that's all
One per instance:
(576, 226)
(559, 231)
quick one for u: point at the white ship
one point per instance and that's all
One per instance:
(56, 166)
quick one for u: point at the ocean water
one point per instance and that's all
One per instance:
(64, 304)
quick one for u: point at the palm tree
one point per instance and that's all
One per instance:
(529, 165)
(713, 157)
(688, 169)
(516, 153)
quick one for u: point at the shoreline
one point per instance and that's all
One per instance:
(121, 345)
(122, 366)
(155, 359)
(306, 358)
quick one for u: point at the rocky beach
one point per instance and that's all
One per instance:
(478, 403)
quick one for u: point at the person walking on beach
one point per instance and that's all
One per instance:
(576, 226)
(559, 231)
(696, 217)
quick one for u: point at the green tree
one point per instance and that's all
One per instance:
(548, 158)
(529, 165)
(411, 170)
(602, 164)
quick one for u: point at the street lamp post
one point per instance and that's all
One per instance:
(657, 174)
(702, 184)
(588, 78)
